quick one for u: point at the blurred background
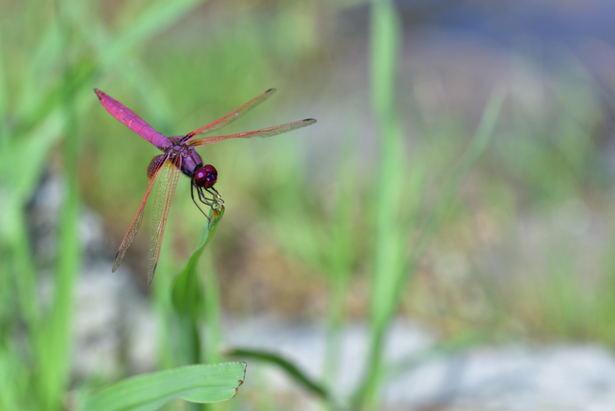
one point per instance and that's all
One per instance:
(442, 238)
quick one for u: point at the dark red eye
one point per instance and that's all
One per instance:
(205, 176)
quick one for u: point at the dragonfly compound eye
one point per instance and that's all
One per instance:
(205, 176)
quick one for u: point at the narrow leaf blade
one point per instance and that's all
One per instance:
(291, 369)
(194, 383)
(187, 293)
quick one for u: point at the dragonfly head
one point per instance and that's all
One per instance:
(205, 176)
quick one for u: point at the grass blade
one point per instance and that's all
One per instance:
(187, 293)
(54, 337)
(155, 18)
(193, 383)
(3, 100)
(477, 147)
(191, 303)
(292, 370)
(342, 254)
(390, 236)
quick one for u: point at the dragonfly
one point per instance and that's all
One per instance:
(179, 156)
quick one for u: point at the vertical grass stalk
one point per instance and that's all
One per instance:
(194, 302)
(389, 238)
(339, 266)
(54, 343)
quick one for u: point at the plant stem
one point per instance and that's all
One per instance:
(385, 37)
(54, 345)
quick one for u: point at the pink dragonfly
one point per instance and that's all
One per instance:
(179, 155)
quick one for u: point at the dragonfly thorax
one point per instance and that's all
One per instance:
(184, 155)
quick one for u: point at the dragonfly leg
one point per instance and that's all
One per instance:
(217, 198)
(213, 202)
(203, 198)
(194, 200)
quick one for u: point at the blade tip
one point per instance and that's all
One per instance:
(117, 260)
(309, 121)
(270, 90)
(150, 275)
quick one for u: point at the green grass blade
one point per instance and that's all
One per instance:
(478, 145)
(390, 237)
(93, 31)
(154, 19)
(187, 292)
(191, 305)
(342, 254)
(3, 99)
(292, 370)
(11, 370)
(213, 333)
(44, 55)
(194, 383)
(53, 342)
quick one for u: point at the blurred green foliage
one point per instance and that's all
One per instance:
(359, 217)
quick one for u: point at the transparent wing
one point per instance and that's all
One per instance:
(131, 120)
(169, 175)
(263, 132)
(135, 224)
(232, 116)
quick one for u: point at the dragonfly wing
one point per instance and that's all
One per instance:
(135, 224)
(263, 132)
(233, 115)
(131, 120)
(166, 190)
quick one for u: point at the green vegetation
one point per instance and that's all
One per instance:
(194, 383)
(364, 228)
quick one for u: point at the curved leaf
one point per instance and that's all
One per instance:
(291, 369)
(187, 292)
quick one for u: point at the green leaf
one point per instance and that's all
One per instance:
(193, 383)
(188, 291)
(292, 370)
